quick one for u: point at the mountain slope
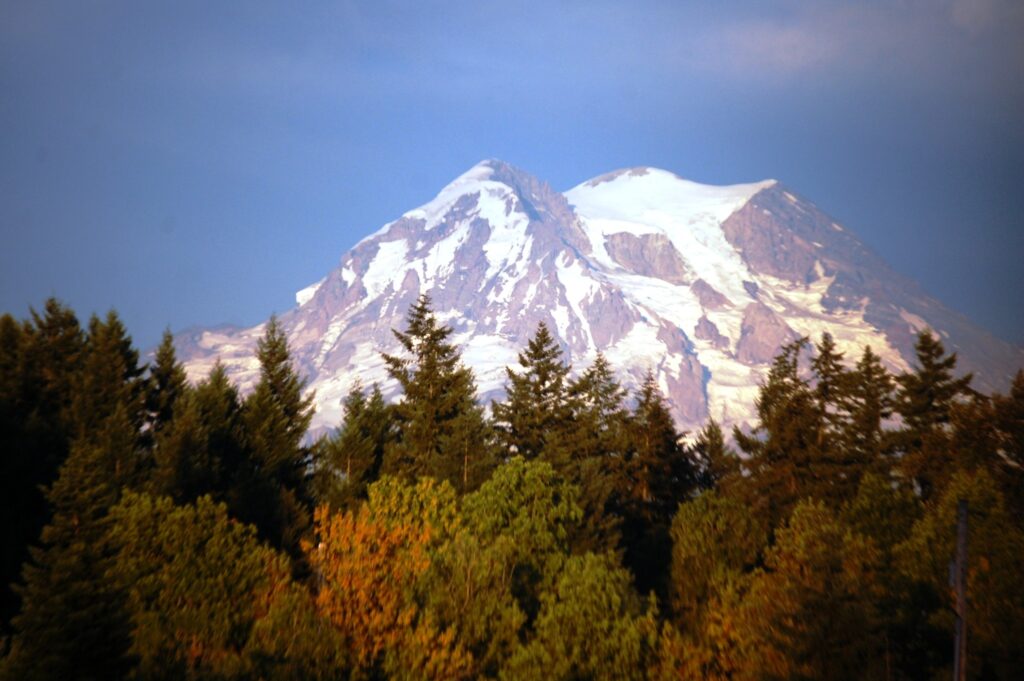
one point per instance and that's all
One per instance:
(700, 284)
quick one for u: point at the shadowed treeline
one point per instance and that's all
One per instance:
(162, 530)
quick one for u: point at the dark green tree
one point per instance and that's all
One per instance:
(536, 408)
(656, 474)
(870, 403)
(350, 460)
(39, 360)
(441, 429)
(924, 400)
(72, 622)
(166, 384)
(716, 462)
(273, 489)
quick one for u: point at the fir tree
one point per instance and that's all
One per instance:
(350, 460)
(656, 475)
(536, 406)
(276, 496)
(830, 389)
(870, 401)
(166, 384)
(716, 462)
(72, 622)
(924, 401)
(442, 431)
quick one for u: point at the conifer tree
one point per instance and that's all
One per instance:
(716, 462)
(536, 406)
(870, 401)
(1008, 462)
(72, 622)
(275, 417)
(39, 360)
(350, 460)
(166, 384)
(924, 401)
(785, 461)
(656, 474)
(442, 431)
(831, 387)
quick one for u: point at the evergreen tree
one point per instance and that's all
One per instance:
(924, 401)
(536, 407)
(831, 388)
(716, 462)
(785, 462)
(350, 460)
(39, 360)
(167, 383)
(656, 475)
(1008, 461)
(72, 622)
(275, 417)
(442, 431)
(871, 402)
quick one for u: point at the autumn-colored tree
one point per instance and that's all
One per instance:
(369, 563)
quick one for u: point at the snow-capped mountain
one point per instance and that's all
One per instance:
(700, 284)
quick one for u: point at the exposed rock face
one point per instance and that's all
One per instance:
(762, 334)
(627, 264)
(650, 255)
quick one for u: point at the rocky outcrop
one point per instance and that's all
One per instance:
(762, 334)
(706, 330)
(650, 255)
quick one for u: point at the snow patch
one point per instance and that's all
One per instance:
(384, 269)
(305, 295)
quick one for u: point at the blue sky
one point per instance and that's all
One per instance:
(194, 163)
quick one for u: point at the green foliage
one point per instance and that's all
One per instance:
(532, 418)
(205, 598)
(655, 474)
(715, 539)
(273, 488)
(487, 580)
(924, 401)
(350, 460)
(591, 625)
(716, 462)
(166, 383)
(442, 431)
(995, 563)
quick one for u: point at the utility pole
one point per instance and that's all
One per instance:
(958, 580)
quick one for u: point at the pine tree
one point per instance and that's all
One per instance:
(871, 403)
(656, 474)
(785, 461)
(350, 460)
(275, 417)
(1008, 462)
(72, 622)
(536, 407)
(442, 431)
(166, 384)
(924, 401)
(39, 360)
(716, 462)
(830, 389)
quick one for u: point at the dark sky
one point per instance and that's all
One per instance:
(199, 163)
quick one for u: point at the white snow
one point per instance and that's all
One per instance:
(917, 324)
(305, 295)
(385, 266)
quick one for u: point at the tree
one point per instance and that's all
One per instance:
(487, 580)
(370, 563)
(536, 407)
(591, 626)
(350, 460)
(442, 431)
(716, 462)
(656, 474)
(72, 622)
(995, 562)
(924, 401)
(275, 417)
(166, 384)
(206, 599)
(715, 540)
(870, 403)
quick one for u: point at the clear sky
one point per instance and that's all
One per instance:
(193, 163)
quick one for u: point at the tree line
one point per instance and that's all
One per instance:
(156, 529)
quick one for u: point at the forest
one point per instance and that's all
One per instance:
(156, 529)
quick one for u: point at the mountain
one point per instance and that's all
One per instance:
(699, 283)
